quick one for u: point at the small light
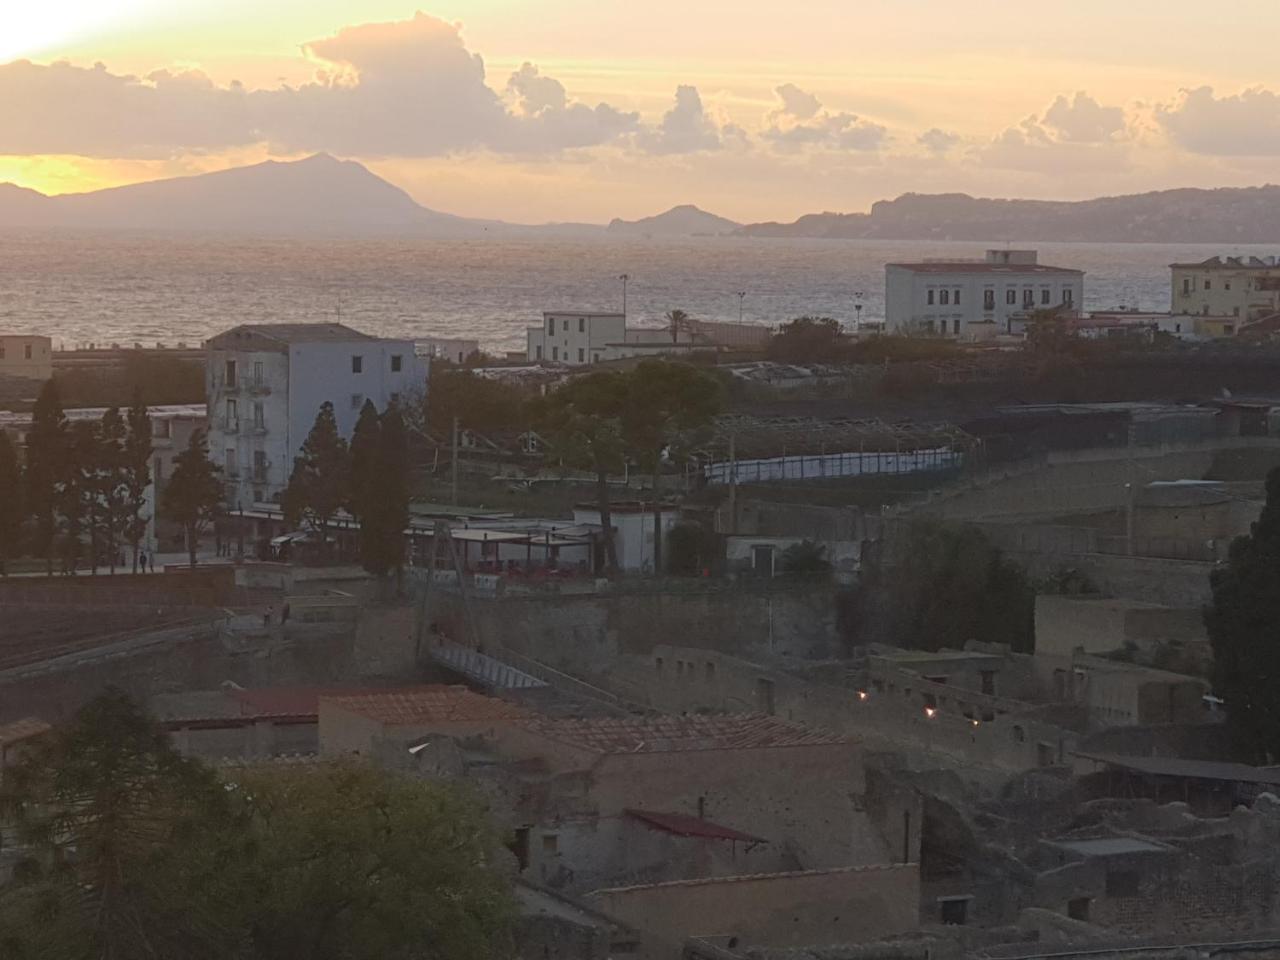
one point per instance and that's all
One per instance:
(930, 712)
(862, 694)
(974, 722)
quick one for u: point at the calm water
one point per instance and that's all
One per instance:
(81, 288)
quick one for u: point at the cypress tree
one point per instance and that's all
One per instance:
(1243, 619)
(11, 502)
(137, 467)
(47, 468)
(321, 480)
(194, 492)
(393, 490)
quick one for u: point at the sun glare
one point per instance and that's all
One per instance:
(28, 30)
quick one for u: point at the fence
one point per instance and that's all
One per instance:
(833, 465)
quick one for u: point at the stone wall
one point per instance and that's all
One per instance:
(789, 909)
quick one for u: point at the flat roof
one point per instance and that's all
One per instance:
(300, 332)
(975, 266)
(924, 656)
(1110, 846)
(1187, 769)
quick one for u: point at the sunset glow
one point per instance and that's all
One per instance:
(591, 110)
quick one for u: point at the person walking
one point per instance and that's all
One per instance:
(142, 561)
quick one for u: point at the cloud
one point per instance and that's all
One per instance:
(938, 141)
(686, 127)
(796, 102)
(800, 120)
(406, 88)
(1083, 119)
(1241, 125)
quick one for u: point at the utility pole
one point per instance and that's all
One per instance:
(742, 295)
(624, 278)
(454, 499)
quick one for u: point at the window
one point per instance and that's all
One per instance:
(396, 362)
(1011, 297)
(1044, 295)
(229, 372)
(1019, 735)
(1122, 883)
(929, 298)
(551, 326)
(537, 352)
(955, 326)
(1235, 311)
(357, 401)
(1225, 286)
(1208, 285)
(555, 353)
(258, 416)
(357, 364)
(954, 910)
(1078, 909)
(1028, 297)
(257, 372)
(26, 352)
(582, 355)
(988, 299)
(944, 297)
(1068, 296)
(232, 413)
(1186, 286)
(582, 324)
(259, 463)
(956, 298)
(565, 326)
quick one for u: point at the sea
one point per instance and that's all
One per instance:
(85, 288)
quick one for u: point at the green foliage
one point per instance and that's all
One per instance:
(1241, 620)
(347, 862)
(47, 467)
(582, 421)
(899, 349)
(157, 379)
(947, 585)
(11, 501)
(808, 340)
(131, 851)
(321, 480)
(805, 558)
(366, 440)
(480, 403)
(137, 474)
(193, 494)
(383, 490)
(109, 819)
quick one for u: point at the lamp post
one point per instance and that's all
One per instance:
(624, 278)
(857, 311)
(742, 295)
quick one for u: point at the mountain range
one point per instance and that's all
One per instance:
(322, 194)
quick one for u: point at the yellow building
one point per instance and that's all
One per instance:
(1236, 289)
(30, 357)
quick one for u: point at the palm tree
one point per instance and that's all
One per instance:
(677, 319)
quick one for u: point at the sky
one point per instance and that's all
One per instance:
(583, 110)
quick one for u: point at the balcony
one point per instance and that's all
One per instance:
(247, 384)
(229, 424)
(255, 387)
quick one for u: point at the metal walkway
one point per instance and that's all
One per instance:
(482, 669)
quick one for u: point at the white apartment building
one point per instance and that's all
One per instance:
(454, 349)
(584, 338)
(1243, 288)
(30, 357)
(266, 382)
(976, 299)
(576, 338)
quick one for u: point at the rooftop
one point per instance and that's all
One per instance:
(981, 266)
(298, 332)
(24, 729)
(682, 825)
(1231, 263)
(234, 703)
(427, 705)
(680, 734)
(1110, 846)
(1188, 769)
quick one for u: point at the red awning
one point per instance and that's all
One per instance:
(683, 826)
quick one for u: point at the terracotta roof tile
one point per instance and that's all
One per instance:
(426, 705)
(685, 826)
(677, 734)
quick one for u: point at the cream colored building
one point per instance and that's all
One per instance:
(30, 357)
(1237, 288)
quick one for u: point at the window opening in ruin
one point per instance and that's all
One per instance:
(954, 910)
(1078, 909)
(520, 847)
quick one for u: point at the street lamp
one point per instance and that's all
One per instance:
(624, 278)
(857, 311)
(742, 295)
